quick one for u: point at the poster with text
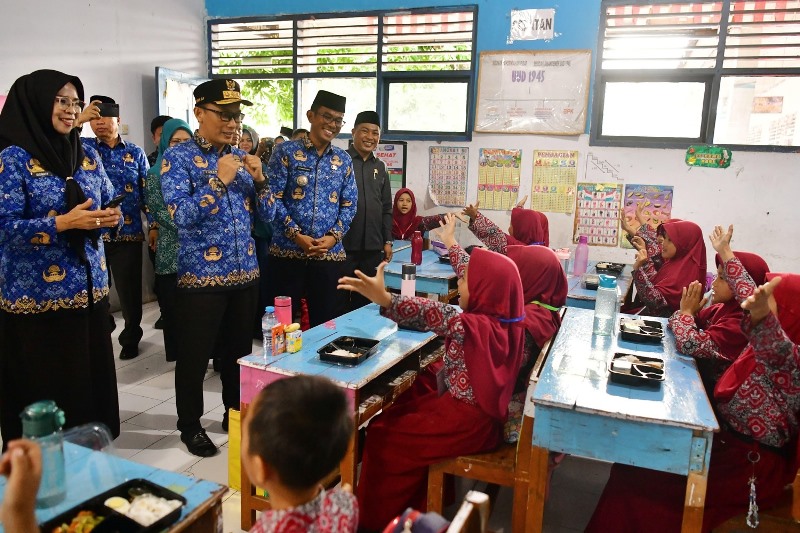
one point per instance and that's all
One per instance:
(498, 178)
(447, 184)
(597, 213)
(555, 178)
(394, 157)
(656, 202)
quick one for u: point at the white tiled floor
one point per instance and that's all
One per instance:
(147, 408)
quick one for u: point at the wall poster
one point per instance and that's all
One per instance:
(656, 202)
(597, 213)
(393, 155)
(555, 177)
(498, 178)
(533, 91)
(447, 183)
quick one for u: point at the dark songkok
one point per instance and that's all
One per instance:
(287, 132)
(368, 117)
(219, 92)
(334, 102)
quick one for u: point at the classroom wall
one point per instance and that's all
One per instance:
(756, 193)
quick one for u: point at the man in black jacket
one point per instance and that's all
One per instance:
(369, 240)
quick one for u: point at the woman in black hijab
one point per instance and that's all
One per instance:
(55, 339)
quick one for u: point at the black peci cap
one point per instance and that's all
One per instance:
(287, 132)
(368, 117)
(332, 101)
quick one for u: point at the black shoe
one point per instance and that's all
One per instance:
(129, 352)
(199, 444)
(225, 422)
(159, 323)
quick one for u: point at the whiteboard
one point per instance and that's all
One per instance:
(533, 91)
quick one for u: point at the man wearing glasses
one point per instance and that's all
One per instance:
(213, 191)
(316, 198)
(126, 165)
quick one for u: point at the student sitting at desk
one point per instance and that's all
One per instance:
(684, 254)
(294, 434)
(404, 216)
(757, 400)
(713, 335)
(527, 227)
(483, 355)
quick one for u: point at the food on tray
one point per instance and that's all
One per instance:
(84, 522)
(636, 361)
(345, 353)
(118, 503)
(148, 508)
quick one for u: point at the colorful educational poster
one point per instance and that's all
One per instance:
(498, 178)
(656, 202)
(447, 184)
(393, 155)
(555, 178)
(597, 213)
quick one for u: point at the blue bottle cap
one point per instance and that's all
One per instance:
(269, 309)
(608, 282)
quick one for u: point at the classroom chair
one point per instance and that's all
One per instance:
(473, 515)
(511, 465)
(782, 518)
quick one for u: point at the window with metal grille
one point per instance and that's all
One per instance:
(415, 68)
(670, 74)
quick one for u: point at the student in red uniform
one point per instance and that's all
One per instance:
(404, 216)
(295, 434)
(684, 255)
(713, 335)
(757, 401)
(527, 227)
(483, 355)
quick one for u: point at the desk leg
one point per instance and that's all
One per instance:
(696, 482)
(537, 489)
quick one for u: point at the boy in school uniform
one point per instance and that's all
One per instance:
(294, 434)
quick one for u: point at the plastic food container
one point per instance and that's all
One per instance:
(636, 370)
(604, 267)
(348, 350)
(639, 330)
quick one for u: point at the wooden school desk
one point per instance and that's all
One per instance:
(433, 276)
(90, 473)
(370, 386)
(580, 412)
(577, 296)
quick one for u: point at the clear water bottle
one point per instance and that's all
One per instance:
(605, 308)
(267, 322)
(42, 423)
(581, 256)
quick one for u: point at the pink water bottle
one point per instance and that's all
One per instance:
(581, 256)
(283, 309)
(416, 248)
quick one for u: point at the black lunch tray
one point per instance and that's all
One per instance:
(653, 332)
(636, 375)
(590, 281)
(604, 267)
(364, 347)
(113, 521)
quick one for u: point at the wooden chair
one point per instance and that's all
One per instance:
(509, 466)
(784, 517)
(473, 515)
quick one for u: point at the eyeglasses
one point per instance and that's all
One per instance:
(225, 116)
(65, 102)
(330, 119)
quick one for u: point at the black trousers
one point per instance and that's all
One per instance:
(313, 280)
(366, 261)
(218, 323)
(125, 266)
(166, 288)
(64, 356)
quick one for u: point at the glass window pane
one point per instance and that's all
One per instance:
(424, 107)
(360, 94)
(653, 109)
(272, 105)
(759, 110)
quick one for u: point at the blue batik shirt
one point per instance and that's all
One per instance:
(316, 195)
(215, 249)
(126, 166)
(41, 272)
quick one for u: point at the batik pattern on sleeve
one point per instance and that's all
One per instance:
(489, 234)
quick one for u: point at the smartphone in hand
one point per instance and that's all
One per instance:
(114, 202)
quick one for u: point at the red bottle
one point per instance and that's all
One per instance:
(416, 248)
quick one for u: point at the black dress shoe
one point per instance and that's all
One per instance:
(159, 323)
(225, 422)
(199, 444)
(129, 352)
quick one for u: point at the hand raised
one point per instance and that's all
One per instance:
(521, 203)
(692, 299)
(447, 230)
(472, 210)
(721, 240)
(641, 258)
(638, 244)
(639, 214)
(758, 302)
(371, 288)
(626, 227)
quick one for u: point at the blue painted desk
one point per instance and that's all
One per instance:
(577, 296)
(400, 245)
(580, 412)
(432, 275)
(90, 473)
(370, 386)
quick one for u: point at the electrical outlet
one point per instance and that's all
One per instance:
(123, 129)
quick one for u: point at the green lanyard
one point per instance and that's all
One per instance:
(550, 307)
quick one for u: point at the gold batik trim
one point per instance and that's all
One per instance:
(27, 305)
(236, 277)
(299, 254)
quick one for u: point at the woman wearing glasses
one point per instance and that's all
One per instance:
(55, 341)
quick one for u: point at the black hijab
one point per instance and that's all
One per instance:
(27, 121)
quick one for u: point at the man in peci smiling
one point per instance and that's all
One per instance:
(213, 191)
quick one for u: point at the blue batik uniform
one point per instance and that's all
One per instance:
(215, 247)
(126, 166)
(41, 272)
(316, 196)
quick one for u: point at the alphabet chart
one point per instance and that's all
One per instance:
(597, 213)
(447, 184)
